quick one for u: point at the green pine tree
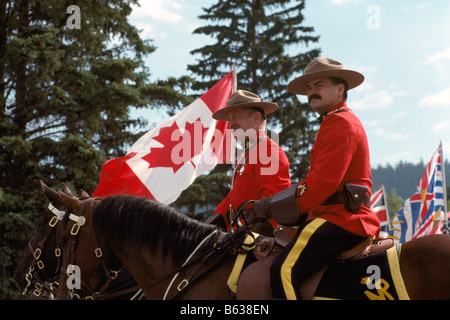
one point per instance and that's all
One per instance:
(394, 202)
(68, 84)
(268, 42)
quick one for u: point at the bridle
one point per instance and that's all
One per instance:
(49, 286)
(110, 274)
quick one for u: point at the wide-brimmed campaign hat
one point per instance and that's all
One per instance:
(323, 67)
(244, 99)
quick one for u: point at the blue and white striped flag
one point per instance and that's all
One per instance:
(418, 213)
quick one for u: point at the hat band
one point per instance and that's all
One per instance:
(241, 102)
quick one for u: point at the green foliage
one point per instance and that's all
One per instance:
(394, 203)
(400, 182)
(403, 177)
(66, 98)
(268, 42)
(203, 195)
(262, 38)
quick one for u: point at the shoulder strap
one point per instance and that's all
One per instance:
(328, 113)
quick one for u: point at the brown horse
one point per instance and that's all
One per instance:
(39, 269)
(424, 265)
(173, 256)
(151, 241)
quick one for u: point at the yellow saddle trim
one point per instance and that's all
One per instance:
(238, 264)
(324, 298)
(394, 265)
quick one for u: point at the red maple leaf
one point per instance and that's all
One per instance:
(178, 147)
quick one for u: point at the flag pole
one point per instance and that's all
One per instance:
(234, 87)
(233, 90)
(444, 186)
(387, 207)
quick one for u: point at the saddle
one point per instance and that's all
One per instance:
(267, 247)
(284, 234)
(263, 246)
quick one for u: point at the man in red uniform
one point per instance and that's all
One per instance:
(335, 196)
(263, 168)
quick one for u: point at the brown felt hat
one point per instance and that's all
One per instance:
(243, 99)
(323, 67)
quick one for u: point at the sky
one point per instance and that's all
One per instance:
(402, 48)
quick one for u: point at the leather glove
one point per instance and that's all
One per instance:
(281, 207)
(258, 210)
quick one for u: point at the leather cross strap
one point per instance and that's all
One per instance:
(98, 251)
(80, 221)
(186, 283)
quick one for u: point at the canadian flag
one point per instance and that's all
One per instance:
(167, 159)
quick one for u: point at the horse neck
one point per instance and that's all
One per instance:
(159, 243)
(147, 267)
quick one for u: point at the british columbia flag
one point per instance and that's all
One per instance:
(417, 215)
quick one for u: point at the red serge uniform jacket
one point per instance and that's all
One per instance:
(340, 155)
(264, 172)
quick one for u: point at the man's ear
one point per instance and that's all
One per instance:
(341, 90)
(257, 117)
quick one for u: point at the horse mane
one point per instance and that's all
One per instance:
(146, 222)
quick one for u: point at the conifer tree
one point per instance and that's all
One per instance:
(69, 78)
(269, 44)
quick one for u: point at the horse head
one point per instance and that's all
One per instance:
(150, 240)
(39, 267)
(88, 260)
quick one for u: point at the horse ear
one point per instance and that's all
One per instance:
(68, 201)
(66, 189)
(84, 194)
(51, 194)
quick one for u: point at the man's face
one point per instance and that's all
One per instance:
(244, 122)
(323, 94)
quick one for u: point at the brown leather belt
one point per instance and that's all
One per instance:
(338, 197)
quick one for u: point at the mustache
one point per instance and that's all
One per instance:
(314, 96)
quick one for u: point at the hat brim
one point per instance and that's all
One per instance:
(298, 85)
(222, 114)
